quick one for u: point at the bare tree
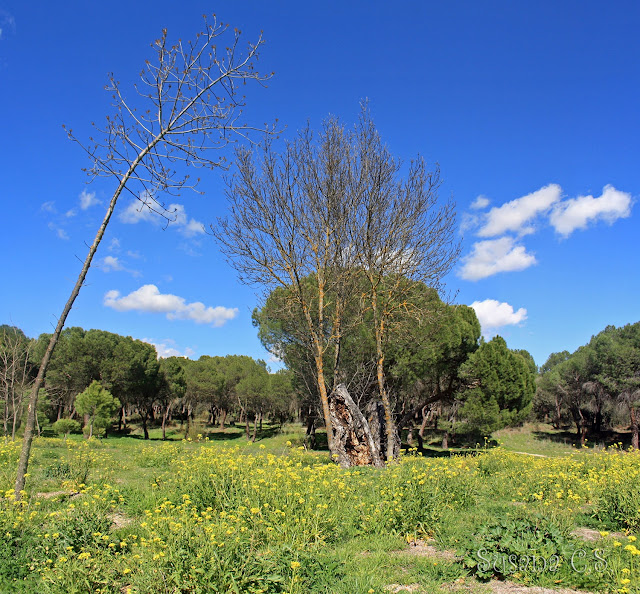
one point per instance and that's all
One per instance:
(15, 376)
(332, 210)
(401, 235)
(188, 105)
(287, 226)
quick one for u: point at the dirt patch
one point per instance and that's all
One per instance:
(53, 494)
(422, 548)
(589, 534)
(511, 588)
(395, 588)
(499, 587)
(119, 521)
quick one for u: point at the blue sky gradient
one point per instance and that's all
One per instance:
(529, 105)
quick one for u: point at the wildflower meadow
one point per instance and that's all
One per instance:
(115, 516)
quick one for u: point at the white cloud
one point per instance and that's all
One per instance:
(48, 206)
(492, 256)
(114, 245)
(188, 227)
(513, 216)
(167, 348)
(480, 202)
(87, 199)
(176, 216)
(71, 213)
(114, 264)
(579, 212)
(149, 299)
(492, 314)
(137, 211)
(60, 232)
(110, 263)
(6, 20)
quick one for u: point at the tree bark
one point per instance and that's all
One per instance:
(354, 444)
(634, 427)
(23, 462)
(384, 394)
(255, 428)
(376, 418)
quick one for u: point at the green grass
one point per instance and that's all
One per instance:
(215, 513)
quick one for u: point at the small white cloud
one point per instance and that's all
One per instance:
(168, 348)
(59, 231)
(114, 245)
(149, 299)
(174, 216)
(110, 263)
(87, 199)
(492, 314)
(480, 202)
(114, 264)
(492, 256)
(7, 22)
(71, 213)
(188, 227)
(139, 210)
(48, 206)
(577, 213)
(514, 216)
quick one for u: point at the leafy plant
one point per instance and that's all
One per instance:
(517, 546)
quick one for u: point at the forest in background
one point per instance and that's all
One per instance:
(444, 379)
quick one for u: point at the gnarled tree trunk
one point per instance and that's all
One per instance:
(353, 441)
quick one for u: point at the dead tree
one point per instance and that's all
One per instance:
(402, 235)
(187, 106)
(286, 230)
(354, 442)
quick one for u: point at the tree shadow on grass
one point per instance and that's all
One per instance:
(594, 440)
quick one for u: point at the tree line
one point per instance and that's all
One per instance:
(596, 387)
(104, 381)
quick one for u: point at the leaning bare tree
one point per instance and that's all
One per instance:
(401, 235)
(187, 105)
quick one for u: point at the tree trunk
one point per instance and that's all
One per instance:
(222, 416)
(165, 416)
(558, 419)
(354, 443)
(384, 394)
(376, 419)
(13, 427)
(410, 438)
(23, 462)
(145, 429)
(310, 436)
(255, 428)
(445, 440)
(246, 426)
(633, 413)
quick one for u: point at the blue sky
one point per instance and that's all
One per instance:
(530, 108)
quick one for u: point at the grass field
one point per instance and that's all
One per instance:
(218, 514)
